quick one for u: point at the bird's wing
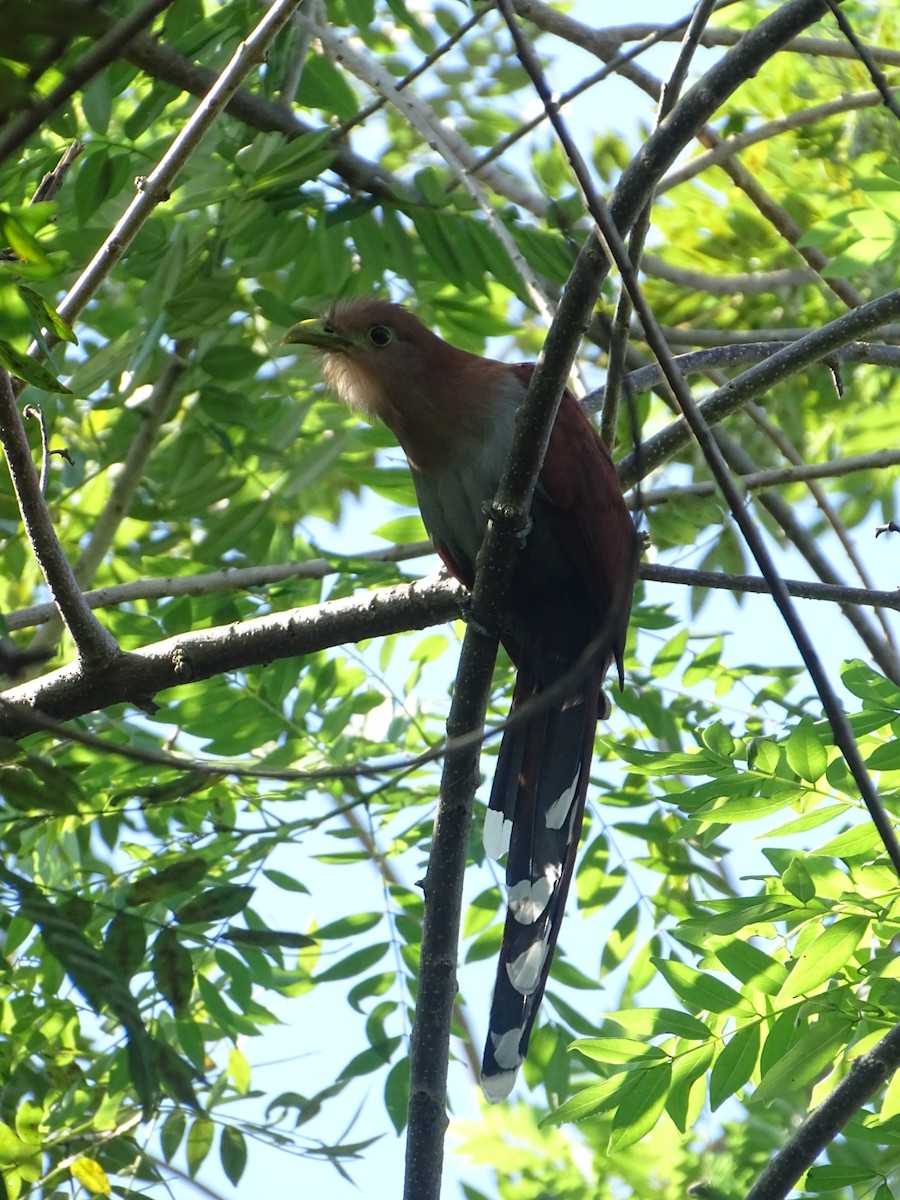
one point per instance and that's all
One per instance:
(581, 486)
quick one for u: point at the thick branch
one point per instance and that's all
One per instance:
(136, 677)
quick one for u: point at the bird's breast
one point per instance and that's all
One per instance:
(454, 493)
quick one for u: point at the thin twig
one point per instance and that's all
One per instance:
(95, 645)
(702, 361)
(100, 54)
(53, 180)
(758, 379)
(602, 41)
(157, 186)
(866, 57)
(427, 62)
(801, 589)
(230, 579)
(619, 338)
(36, 413)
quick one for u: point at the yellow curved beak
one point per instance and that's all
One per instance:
(317, 333)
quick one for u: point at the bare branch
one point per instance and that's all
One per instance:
(758, 379)
(231, 579)
(100, 54)
(605, 41)
(751, 283)
(800, 589)
(137, 676)
(702, 361)
(732, 145)
(878, 460)
(95, 645)
(866, 1074)
(158, 184)
(866, 56)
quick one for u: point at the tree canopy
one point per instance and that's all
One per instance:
(223, 735)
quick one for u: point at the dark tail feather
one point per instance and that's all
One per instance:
(537, 803)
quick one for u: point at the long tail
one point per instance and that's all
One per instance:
(535, 813)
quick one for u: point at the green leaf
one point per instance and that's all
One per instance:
(396, 1094)
(30, 370)
(125, 943)
(199, 1143)
(824, 957)
(734, 1065)
(286, 882)
(599, 1097)
(814, 1051)
(401, 531)
(752, 966)
(169, 881)
(173, 970)
(806, 752)
(171, 1133)
(323, 86)
(46, 316)
(688, 1089)
(268, 938)
(233, 1153)
(354, 964)
(640, 1107)
(618, 1050)
(798, 881)
(834, 1178)
(648, 1022)
(699, 989)
(215, 904)
(91, 1176)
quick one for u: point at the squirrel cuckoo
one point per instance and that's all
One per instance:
(453, 414)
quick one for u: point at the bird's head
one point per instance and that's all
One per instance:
(374, 352)
(381, 360)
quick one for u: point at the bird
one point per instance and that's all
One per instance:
(453, 414)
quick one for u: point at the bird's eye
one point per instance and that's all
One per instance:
(381, 335)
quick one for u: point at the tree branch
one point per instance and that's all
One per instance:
(159, 183)
(100, 55)
(615, 248)
(865, 1076)
(737, 142)
(753, 382)
(136, 677)
(95, 645)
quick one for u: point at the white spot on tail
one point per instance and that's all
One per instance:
(527, 901)
(497, 1087)
(525, 971)
(506, 1049)
(496, 833)
(559, 809)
